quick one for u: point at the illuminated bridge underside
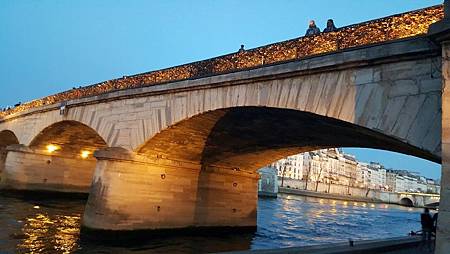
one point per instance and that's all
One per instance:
(67, 167)
(70, 137)
(251, 137)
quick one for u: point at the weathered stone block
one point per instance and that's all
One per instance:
(403, 87)
(407, 115)
(428, 112)
(428, 85)
(28, 170)
(363, 76)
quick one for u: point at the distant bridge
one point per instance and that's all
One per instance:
(180, 147)
(267, 187)
(412, 199)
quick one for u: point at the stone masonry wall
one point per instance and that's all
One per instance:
(2, 160)
(443, 228)
(32, 171)
(130, 195)
(323, 187)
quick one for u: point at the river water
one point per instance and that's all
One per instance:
(51, 225)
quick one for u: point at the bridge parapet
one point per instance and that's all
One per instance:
(375, 31)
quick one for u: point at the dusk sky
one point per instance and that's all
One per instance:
(51, 46)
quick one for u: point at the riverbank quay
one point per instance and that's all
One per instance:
(397, 245)
(418, 200)
(283, 190)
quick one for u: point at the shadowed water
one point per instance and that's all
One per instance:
(44, 225)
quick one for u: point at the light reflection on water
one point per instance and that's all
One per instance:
(295, 221)
(39, 226)
(52, 226)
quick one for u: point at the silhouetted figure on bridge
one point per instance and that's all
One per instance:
(312, 29)
(427, 224)
(241, 49)
(330, 26)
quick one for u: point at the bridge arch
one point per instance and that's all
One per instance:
(377, 98)
(7, 138)
(60, 158)
(405, 201)
(68, 137)
(212, 158)
(251, 137)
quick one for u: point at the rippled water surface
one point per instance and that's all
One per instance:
(44, 225)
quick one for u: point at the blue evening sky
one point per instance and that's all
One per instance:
(51, 46)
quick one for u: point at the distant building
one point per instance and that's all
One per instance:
(335, 161)
(377, 175)
(332, 166)
(433, 186)
(290, 167)
(363, 177)
(405, 181)
(391, 180)
(317, 166)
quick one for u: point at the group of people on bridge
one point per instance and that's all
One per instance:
(313, 29)
(10, 107)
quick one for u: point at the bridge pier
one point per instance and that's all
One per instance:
(2, 159)
(440, 33)
(133, 192)
(443, 228)
(28, 169)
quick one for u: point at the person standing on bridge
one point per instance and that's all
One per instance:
(312, 29)
(427, 224)
(242, 49)
(330, 26)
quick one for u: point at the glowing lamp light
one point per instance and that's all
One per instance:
(85, 154)
(52, 148)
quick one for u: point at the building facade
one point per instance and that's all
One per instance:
(333, 166)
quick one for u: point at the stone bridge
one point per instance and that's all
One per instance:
(414, 199)
(179, 153)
